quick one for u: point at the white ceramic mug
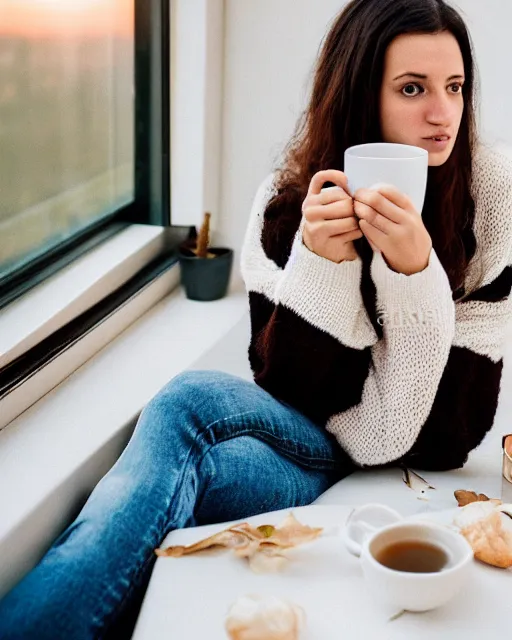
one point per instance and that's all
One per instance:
(401, 165)
(373, 527)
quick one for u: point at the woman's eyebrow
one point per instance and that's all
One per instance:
(422, 76)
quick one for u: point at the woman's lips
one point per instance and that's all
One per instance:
(437, 145)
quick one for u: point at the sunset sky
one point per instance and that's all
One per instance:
(42, 18)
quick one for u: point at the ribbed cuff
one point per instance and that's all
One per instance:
(421, 298)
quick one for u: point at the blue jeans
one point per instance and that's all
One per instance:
(209, 447)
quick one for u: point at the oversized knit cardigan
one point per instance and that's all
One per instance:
(420, 386)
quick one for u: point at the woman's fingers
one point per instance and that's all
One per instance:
(326, 196)
(396, 196)
(380, 203)
(329, 175)
(364, 212)
(350, 236)
(375, 237)
(340, 209)
(331, 228)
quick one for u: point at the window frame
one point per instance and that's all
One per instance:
(152, 174)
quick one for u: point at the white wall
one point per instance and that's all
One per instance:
(270, 47)
(489, 23)
(197, 60)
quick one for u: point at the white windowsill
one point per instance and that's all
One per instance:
(76, 288)
(54, 453)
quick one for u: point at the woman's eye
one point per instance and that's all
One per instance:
(407, 89)
(411, 88)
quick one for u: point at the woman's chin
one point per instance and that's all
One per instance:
(438, 159)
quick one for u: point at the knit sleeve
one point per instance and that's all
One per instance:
(418, 320)
(310, 333)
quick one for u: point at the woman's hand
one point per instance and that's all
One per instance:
(391, 224)
(330, 223)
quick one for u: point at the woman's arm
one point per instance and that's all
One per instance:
(418, 320)
(310, 333)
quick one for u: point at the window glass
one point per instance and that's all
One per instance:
(66, 120)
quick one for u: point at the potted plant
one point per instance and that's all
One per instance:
(205, 270)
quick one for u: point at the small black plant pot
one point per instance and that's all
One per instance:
(205, 279)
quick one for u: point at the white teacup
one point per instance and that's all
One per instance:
(401, 165)
(373, 527)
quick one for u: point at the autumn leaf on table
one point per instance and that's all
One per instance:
(291, 533)
(264, 546)
(482, 522)
(227, 538)
(467, 497)
(270, 618)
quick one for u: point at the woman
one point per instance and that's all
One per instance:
(340, 382)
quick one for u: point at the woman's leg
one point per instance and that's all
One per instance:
(209, 447)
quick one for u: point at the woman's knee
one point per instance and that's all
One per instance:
(244, 476)
(193, 400)
(198, 386)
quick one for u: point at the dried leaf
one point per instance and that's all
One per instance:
(467, 497)
(228, 538)
(490, 542)
(266, 529)
(415, 482)
(291, 533)
(249, 542)
(256, 618)
(249, 549)
(473, 513)
(253, 533)
(481, 523)
(268, 560)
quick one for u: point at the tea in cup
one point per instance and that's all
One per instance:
(411, 566)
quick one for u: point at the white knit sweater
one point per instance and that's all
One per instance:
(421, 323)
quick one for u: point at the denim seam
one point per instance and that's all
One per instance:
(117, 608)
(202, 435)
(274, 439)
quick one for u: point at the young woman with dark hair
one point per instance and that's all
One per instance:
(377, 333)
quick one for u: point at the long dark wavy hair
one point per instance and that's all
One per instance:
(344, 110)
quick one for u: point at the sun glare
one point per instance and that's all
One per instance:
(71, 6)
(40, 18)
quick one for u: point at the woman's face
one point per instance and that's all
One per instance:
(421, 93)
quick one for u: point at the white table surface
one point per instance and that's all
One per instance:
(187, 598)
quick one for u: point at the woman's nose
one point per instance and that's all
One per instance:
(441, 111)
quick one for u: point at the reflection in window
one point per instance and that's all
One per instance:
(66, 120)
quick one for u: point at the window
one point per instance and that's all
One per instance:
(84, 153)
(66, 114)
(84, 128)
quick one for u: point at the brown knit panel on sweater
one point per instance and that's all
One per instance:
(462, 413)
(331, 376)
